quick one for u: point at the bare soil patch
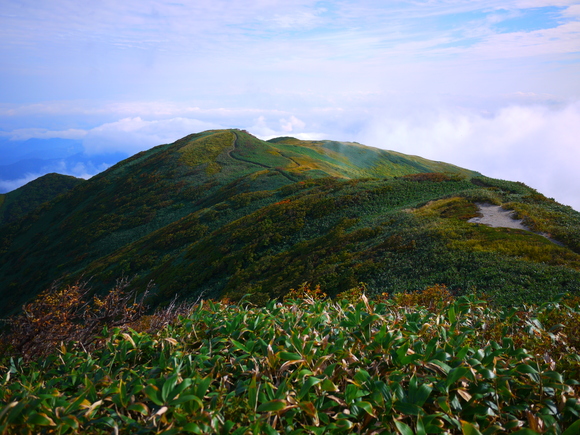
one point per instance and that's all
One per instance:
(496, 216)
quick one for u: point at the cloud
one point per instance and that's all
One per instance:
(265, 129)
(527, 138)
(10, 185)
(77, 169)
(43, 133)
(131, 135)
(534, 144)
(291, 124)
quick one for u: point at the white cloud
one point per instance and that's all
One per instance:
(43, 133)
(289, 125)
(131, 135)
(10, 185)
(265, 130)
(543, 3)
(78, 169)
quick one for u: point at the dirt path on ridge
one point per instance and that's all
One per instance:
(498, 217)
(229, 153)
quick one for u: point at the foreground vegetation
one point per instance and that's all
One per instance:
(415, 363)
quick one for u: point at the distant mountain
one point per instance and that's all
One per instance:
(24, 160)
(12, 151)
(19, 202)
(224, 214)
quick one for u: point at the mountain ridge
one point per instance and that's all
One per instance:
(224, 214)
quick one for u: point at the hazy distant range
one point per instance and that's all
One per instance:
(23, 161)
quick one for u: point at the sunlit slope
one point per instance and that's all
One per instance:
(353, 160)
(222, 213)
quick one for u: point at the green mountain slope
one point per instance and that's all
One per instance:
(222, 213)
(25, 199)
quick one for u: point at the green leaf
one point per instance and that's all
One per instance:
(139, 407)
(202, 386)
(367, 406)
(554, 376)
(152, 392)
(487, 374)
(70, 421)
(526, 368)
(446, 368)
(462, 352)
(328, 385)
(272, 406)
(290, 356)
(308, 384)
(268, 430)
(456, 374)
(253, 390)
(573, 429)
(191, 427)
(167, 387)
(408, 408)
(420, 427)
(469, 429)
(418, 393)
(40, 419)
(451, 314)
(442, 401)
(239, 346)
(403, 428)
(491, 430)
(76, 404)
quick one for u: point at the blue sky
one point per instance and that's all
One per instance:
(489, 85)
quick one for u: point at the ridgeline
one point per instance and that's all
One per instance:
(226, 215)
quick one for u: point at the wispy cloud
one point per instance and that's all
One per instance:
(76, 169)
(42, 133)
(132, 135)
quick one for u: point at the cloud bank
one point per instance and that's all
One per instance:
(537, 144)
(533, 143)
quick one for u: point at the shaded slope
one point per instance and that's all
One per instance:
(25, 199)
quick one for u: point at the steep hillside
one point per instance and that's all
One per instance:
(222, 213)
(25, 199)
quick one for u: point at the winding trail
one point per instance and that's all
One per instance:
(239, 159)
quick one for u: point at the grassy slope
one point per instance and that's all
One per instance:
(224, 213)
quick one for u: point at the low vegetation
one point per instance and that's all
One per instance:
(426, 363)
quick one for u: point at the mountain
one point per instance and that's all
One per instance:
(25, 199)
(23, 160)
(224, 214)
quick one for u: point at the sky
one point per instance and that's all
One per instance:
(490, 85)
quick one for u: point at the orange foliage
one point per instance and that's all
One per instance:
(305, 292)
(68, 314)
(433, 298)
